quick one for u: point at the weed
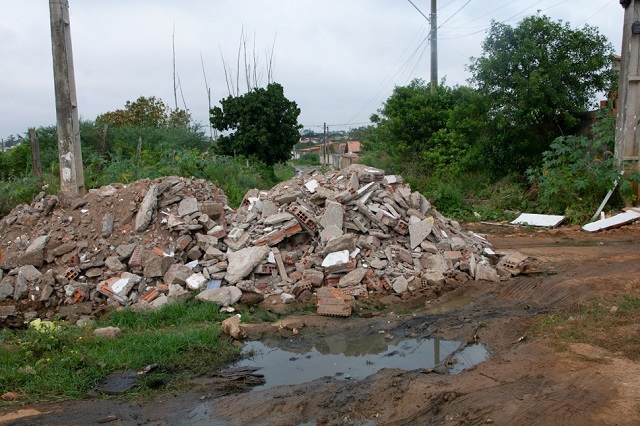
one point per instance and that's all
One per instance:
(183, 338)
(604, 323)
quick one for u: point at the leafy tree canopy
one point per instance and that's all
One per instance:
(262, 123)
(537, 79)
(415, 127)
(148, 112)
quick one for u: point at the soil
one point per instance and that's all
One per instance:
(526, 380)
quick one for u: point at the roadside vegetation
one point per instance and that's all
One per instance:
(63, 361)
(609, 324)
(520, 138)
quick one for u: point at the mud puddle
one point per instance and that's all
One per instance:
(349, 356)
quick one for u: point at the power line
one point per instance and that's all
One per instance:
(455, 13)
(389, 78)
(425, 16)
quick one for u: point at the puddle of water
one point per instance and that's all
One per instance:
(458, 302)
(347, 356)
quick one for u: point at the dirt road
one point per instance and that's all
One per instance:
(525, 381)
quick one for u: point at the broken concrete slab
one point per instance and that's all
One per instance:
(223, 296)
(187, 206)
(333, 215)
(242, 262)
(352, 278)
(147, 209)
(419, 231)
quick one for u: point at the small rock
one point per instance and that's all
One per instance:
(107, 332)
(231, 327)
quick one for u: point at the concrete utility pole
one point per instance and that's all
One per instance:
(434, 46)
(325, 131)
(69, 153)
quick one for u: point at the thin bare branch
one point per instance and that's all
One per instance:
(206, 86)
(175, 87)
(226, 74)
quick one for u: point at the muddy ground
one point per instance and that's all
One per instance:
(525, 381)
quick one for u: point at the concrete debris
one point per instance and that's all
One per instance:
(231, 327)
(334, 237)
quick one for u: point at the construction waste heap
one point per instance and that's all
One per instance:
(330, 239)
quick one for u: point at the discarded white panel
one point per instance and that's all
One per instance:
(312, 185)
(336, 258)
(546, 220)
(271, 258)
(489, 252)
(610, 222)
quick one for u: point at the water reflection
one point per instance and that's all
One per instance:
(351, 356)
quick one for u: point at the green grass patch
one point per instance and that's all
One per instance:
(609, 324)
(183, 338)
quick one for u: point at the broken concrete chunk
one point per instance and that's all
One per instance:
(177, 274)
(242, 262)
(345, 242)
(30, 273)
(114, 264)
(107, 224)
(330, 232)
(196, 281)
(336, 258)
(333, 215)
(419, 231)
(6, 288)
(38, 244)
(224, 296)
(214, 210)
(231, 327)
(147, 209)
(486, 273)
(352, 278)
(435, 262)
(400, 284)
(187, 206)
(277, 218)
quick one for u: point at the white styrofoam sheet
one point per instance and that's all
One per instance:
(610, 222)
(531, 219)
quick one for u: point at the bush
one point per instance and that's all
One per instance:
(577, 172)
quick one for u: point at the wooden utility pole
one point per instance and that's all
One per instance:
(434, 46)
(69, 152)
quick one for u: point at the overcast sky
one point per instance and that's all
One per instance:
(338, 59)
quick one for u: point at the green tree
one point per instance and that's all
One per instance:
(360, 133)
(537, 78)
(414, 129)
(146, 112)
(262, 124)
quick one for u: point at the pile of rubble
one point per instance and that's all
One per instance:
(347, 234)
